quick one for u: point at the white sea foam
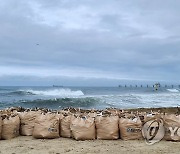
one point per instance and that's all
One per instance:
(57, 92)
(173, 90)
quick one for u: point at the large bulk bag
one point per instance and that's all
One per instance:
(83, 128)
(130, 129)
(10, 127)
(172, 127)
(0, 126)
(46, 126)
(107, 127)
(65, 130)
(27, 122)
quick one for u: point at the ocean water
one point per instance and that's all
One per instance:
(88, 97)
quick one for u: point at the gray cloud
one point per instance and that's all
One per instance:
(90, 40)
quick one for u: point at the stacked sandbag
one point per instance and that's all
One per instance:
(46, 126)
(172, 127)
(0, 126)
(10, 127)
(107, 127)
(130, 129)
(65, 130)
(83, 128)
(27, 122)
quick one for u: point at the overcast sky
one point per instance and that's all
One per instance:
(89, 42)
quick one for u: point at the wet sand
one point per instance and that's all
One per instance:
(29, 145)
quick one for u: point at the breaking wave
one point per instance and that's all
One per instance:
(55, 92)
(173, 90)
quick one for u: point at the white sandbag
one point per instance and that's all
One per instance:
(130, 129)
(10, 127)
(107, 127)
(83, 128)
(27, 122)
(46, 126)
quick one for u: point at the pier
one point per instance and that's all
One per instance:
(149, 86)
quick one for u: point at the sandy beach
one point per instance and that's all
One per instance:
(28, 145)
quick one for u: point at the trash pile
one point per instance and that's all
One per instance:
(79, 124)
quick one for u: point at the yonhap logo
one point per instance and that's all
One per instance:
(174, 133)
(153, 131)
